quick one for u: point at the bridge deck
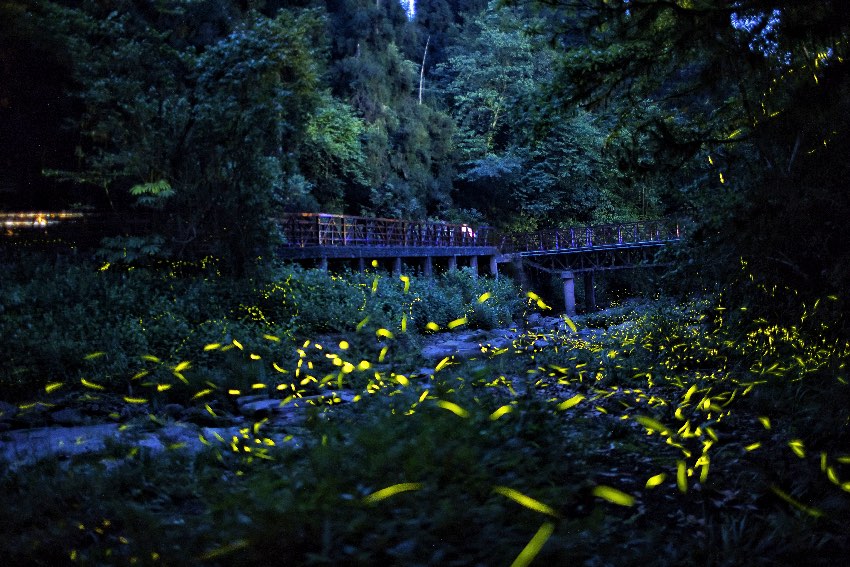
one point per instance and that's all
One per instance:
(319, 235)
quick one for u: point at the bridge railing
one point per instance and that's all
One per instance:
(320, 229)
(577, 238)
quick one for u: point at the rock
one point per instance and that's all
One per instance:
(201, 416)
(173, 410)
(30, 445)
(438, 351)
(69, 416)
(7, 411)
(344, 396)
(534, 320)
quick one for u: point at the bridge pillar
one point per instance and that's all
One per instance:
(494, 267)
(589, 292)
(361, 264)
(323, 264)
(473, 265)
(569, 293)
(452, 263)
(428, 267)
(397, 266)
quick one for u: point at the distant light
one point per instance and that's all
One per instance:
(409, 8)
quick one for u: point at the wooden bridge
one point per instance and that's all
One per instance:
(323, 239)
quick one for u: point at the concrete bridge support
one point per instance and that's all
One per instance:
(473, 265)
(569, 293)
(428, 267)
(452, 263)
(494, 268)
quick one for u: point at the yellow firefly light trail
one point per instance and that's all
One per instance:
(389, 491)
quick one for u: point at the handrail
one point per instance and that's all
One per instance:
(304, 230)
(321, 229)
(593, 236)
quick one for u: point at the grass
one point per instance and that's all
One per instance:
(685, 434)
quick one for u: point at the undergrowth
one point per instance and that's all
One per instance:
(674, 434)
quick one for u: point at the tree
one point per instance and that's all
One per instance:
(198, 132)
(408, 163)
(745, 107)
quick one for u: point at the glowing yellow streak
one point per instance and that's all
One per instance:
(272, 338)
(797, 446)
(681, 476)
(237, 344)
(654, 481)
(533, 547)
(442, 364)
(567, 404)
(362, 324)
(384, 333)
(406, 280)
(375, 285)
(182, 366)
(141, 374)
(212, 346)
(532, 296)
(453, 407)
(130, 400)
(423, 396)
(690, 393)
(525, 501)
(432, 326)
(202, 393)
(234, 392)
(91, 385)
(484, 297)
(752, 447)
(500, 412)
(457, 323)
(542, 305)
(652, 424)
(225, 549)
(364, 365)
(402, 379)
(389, 491)
(93, 355)
(277, 367)
(570, 323)
(255, 356)
(52, 387)
(613, 495)
(814, 512)
(150, 358)
(404, 323)
(383, 354)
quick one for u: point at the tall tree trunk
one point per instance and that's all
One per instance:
(422, 70)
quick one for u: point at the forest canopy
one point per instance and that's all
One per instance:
(212, 116)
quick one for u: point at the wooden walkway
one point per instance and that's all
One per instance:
(419, 246)
(317, 236)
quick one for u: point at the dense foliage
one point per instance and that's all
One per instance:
(737, 112)
(712, 432)
(658, 434)
(206, 118)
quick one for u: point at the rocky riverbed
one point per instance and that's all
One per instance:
(104, 424)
